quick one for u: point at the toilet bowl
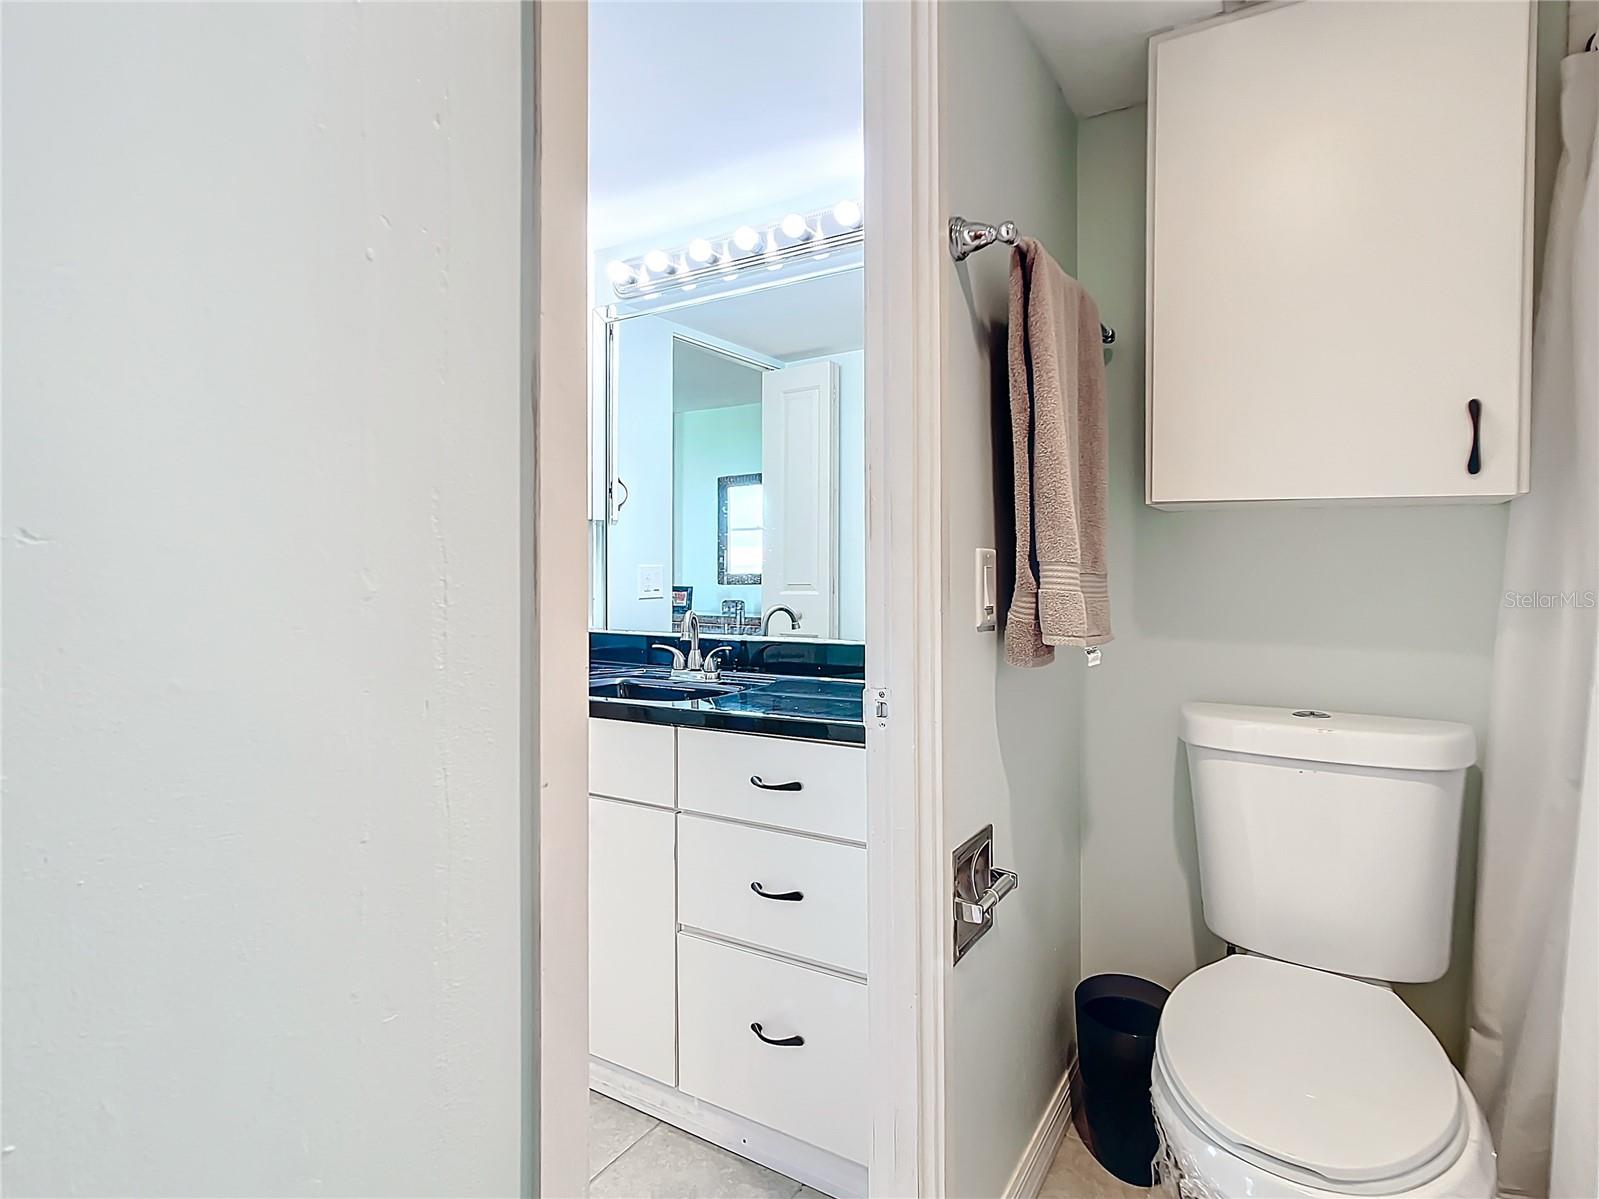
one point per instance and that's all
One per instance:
(1327, 852)
(1273, 1079)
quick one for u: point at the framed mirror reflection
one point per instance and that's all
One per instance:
(728, 448)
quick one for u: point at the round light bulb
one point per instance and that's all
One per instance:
(794, 226)
(700, 250)
(745, 238)
(618, 272)
(847, 213)
(657, 261)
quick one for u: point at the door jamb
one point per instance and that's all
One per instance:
(908, 896)
(555, 315)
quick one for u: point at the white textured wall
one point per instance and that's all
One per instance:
(1371, 609)
(261, 430)
(1011, 741)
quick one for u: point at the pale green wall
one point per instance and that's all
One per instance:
(1379, 609)
(1010, 736)
(707, 444)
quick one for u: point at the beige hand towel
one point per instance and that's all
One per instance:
(1057, 408)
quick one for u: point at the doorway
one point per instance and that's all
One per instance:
(905, 925)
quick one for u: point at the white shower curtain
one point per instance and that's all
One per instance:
(1574, 1165)
(1540, 715)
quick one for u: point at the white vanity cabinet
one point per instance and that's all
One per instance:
(632, 922)
(802, 786)
(799, 896)
(808, 1076)
(1339, 254)
(727, 941)
(632, 898)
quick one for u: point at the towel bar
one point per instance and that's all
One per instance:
(967, 237)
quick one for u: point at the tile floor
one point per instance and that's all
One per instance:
(635, 1156)
(1076, 1175)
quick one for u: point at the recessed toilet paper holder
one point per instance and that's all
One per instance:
(979, 886)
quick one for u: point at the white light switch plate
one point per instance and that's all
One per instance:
(651, 582)
(987, 592)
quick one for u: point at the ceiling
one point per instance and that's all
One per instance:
(703, 379)
(699, 111)
(1099, 49)
(806, 319)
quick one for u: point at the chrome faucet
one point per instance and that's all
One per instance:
(706, 666)
(690, 631)
(766, 621)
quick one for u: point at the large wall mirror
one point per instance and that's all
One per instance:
(730, 432)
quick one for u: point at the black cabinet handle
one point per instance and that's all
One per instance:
(796, 1040)
(755, 779)
(1474, 459)
(790, 896)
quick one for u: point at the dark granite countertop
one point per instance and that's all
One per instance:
(780, 705)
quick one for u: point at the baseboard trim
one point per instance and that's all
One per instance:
(1039, 1155)
(815, 1167)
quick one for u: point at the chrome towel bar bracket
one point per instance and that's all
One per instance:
(967, 237)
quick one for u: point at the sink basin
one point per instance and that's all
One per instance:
(649, 691)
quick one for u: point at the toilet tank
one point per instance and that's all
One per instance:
(1328, 838)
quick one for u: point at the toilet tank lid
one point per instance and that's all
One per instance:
(1342, 738)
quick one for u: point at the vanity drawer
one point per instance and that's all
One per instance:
(632, 761)
(717, 773)
(718, 865)
(815, 1091)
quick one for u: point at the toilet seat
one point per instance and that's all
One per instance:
(1315, 1077)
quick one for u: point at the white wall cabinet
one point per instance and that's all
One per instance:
(1339, 254)
(632, 926)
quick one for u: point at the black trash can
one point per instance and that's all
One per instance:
(1117, 1015)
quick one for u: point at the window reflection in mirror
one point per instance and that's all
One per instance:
(739, 528)
(733, 431)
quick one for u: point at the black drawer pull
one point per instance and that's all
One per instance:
(1474, 459)
(796, 785)
(790, 896)
(795, 1040)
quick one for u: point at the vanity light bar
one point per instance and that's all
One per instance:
(747, 248)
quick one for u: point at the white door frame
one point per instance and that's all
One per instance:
(910, 911)
(555, 306)
(909, 885)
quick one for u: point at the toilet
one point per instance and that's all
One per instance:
(1327, 851)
